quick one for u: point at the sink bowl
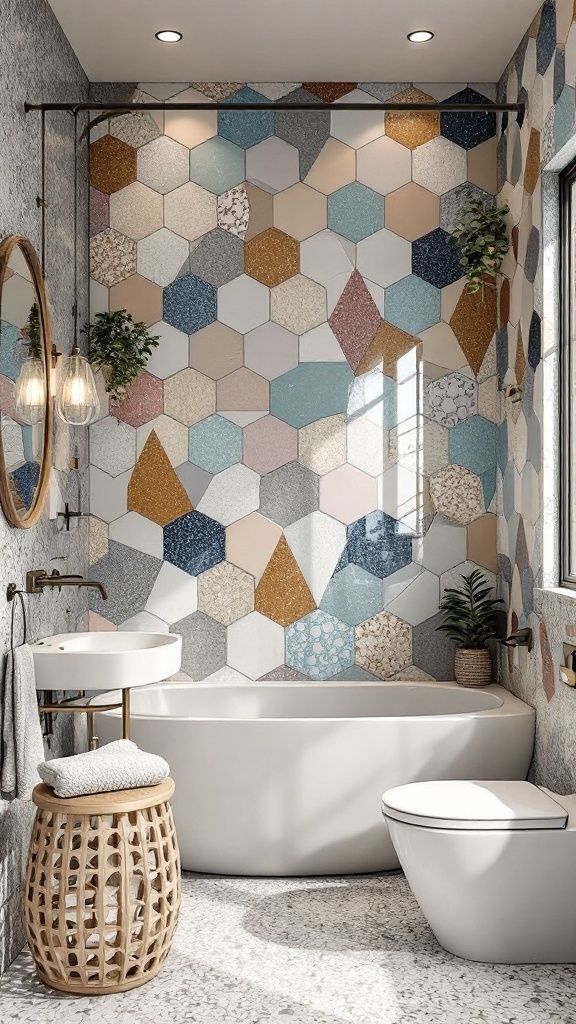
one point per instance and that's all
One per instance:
(105, 661)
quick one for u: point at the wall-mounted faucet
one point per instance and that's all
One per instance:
(37, 579)
(521, 638)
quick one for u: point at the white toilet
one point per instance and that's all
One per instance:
(492, 865)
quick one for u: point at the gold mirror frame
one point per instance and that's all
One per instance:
(33, 514)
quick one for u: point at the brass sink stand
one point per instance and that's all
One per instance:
(69, 706)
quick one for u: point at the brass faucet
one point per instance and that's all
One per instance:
(37, 579)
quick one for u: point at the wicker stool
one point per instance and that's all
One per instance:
(102, 890)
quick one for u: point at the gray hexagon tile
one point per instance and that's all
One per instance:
(163, 164)
(217, 257)
(161, 255)
(113, 445)
(203, 644)
(128, 576)
(136, 128)
(289, 493)
(432, 651)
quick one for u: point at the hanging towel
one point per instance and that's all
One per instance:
(22, 746)
(117, 765)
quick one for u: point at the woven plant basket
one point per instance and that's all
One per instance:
(473, 668)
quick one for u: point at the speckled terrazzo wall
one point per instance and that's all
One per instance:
(311, 456)
(36, 63)
(530, 152)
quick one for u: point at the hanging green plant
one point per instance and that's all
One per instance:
(32, 333)
(482, 238)
(120, 347)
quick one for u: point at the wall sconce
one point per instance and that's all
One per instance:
(77, 401)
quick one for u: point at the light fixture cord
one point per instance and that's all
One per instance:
(75, 229)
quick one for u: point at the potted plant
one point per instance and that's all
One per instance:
(471, 618)
(120, 347)
(482, 238)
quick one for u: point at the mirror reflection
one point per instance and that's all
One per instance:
(24, 384)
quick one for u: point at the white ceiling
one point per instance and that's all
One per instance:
(294, 40)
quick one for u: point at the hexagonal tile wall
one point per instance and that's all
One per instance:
(299, 272)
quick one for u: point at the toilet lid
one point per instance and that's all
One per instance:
(474, 805)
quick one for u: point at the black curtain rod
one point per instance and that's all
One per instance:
(460, 108)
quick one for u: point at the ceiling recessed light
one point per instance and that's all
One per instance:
(421, 36)
(168, 36)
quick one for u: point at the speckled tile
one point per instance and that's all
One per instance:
(173, 437)
(218, 165)
(194, 543)
(307, 135)
(163, 164)
(353, 595)
(449, 400)
(436, 258)
(154, 490)
(190, 211)
(413, 128)
(194, 480)
(231, 495)
(377, 544)
(268, 444)
(383, 644)
(112, 164)
(189, 304)
(283, 674)
(136, 211)
(439, 166)
(112, 257)
(250, 543)
(143, 401)
(97, 539)
(467, 130)
(310, 392)
(203, 644)
(136, 128)
(355, 320)
(215, 444)
(282, 593)
(355, 211)
(452, 204)
(99, 211)
(322, 444)
(412, 305)
(218, 257)
(298, 304)
(160, 256)
(319, 645)
(457, 494)
(234, 211)
(226, 593)
(474, 324)
(272, 257)
(289, 493)
(217, 91)
(128, 576)
(433, 651)
(112, 446)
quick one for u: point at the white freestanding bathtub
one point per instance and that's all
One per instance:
(287, 778)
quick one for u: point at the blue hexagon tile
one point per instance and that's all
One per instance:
(436, 258)
(376, 544)
(194, 543)
(189, 304)
(319, 646)
(355, 211)
(412, 304)
(214, 444)
(353, 595)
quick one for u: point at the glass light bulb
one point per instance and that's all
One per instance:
(30, 392)
(77, 400)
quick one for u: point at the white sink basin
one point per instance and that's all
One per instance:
(105, 661)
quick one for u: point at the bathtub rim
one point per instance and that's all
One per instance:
(510, 706)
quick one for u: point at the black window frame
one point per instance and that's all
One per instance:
(567, 369)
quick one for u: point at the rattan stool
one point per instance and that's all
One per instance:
(102, 889)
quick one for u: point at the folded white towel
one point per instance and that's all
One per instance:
(22, 745)
(117, 765)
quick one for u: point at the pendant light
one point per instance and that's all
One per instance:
(30, 392)
(77, 401)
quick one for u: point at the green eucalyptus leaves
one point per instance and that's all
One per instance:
(482, 238)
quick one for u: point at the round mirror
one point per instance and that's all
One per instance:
(25, 370)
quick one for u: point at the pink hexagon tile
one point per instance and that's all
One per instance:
(347, 494)
(383, 645)
(226, 593)
(355, 320)
(143, 402)
(251, 542)
(457, 494)
(99, 211)
(270, 350)
(268, 444)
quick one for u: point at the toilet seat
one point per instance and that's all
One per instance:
(467, 805)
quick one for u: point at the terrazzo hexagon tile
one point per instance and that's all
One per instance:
(282, 593)
(319, 645)
(97, 539)
(283, 674)
(217, 165)
(387, 351)
(436, 258)
(298, 304)
(352, 595)
(439, 166)
(376, 544)
(215, 444)
(355, 319)
(143, 401)
(216, 351)
(465, 129)
(243, 304)
(112, 446)
(347, 494)
(355, 211)
(412, 305)
(134, 531)
(474, 324)
(190, 211)
(451, 399)
(413, 128)
(136, 210)
(383, 645)
(231, 495)
(128, 576)
(174, 594)
(322, 444)
(112, 257)
(255, 645)
(251, 542)
(310, 392)
(194, 543)
(273, 165)
(452, 204)
(245, 127)
(242, 390)
(443, 547)
(189, 396)
(171, 354)
(457, 494)
(155, 491)
(234, 211)
(99, 205)
(139, 297)
(272, 257)
(433, 651)
(161, 255)
(203, 644)
(226, 593)
(453, 577)
(173, 437)
(163, 164)
(268, 444)
(288, 493)
(217, 257)
(309, 135)
(270, 350)
(384, 165)
(300, 211)
(190, 304)
(112, 164)
(473, 444)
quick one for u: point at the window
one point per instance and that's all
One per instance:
(568, 379)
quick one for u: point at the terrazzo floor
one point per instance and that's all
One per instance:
(310, 951)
